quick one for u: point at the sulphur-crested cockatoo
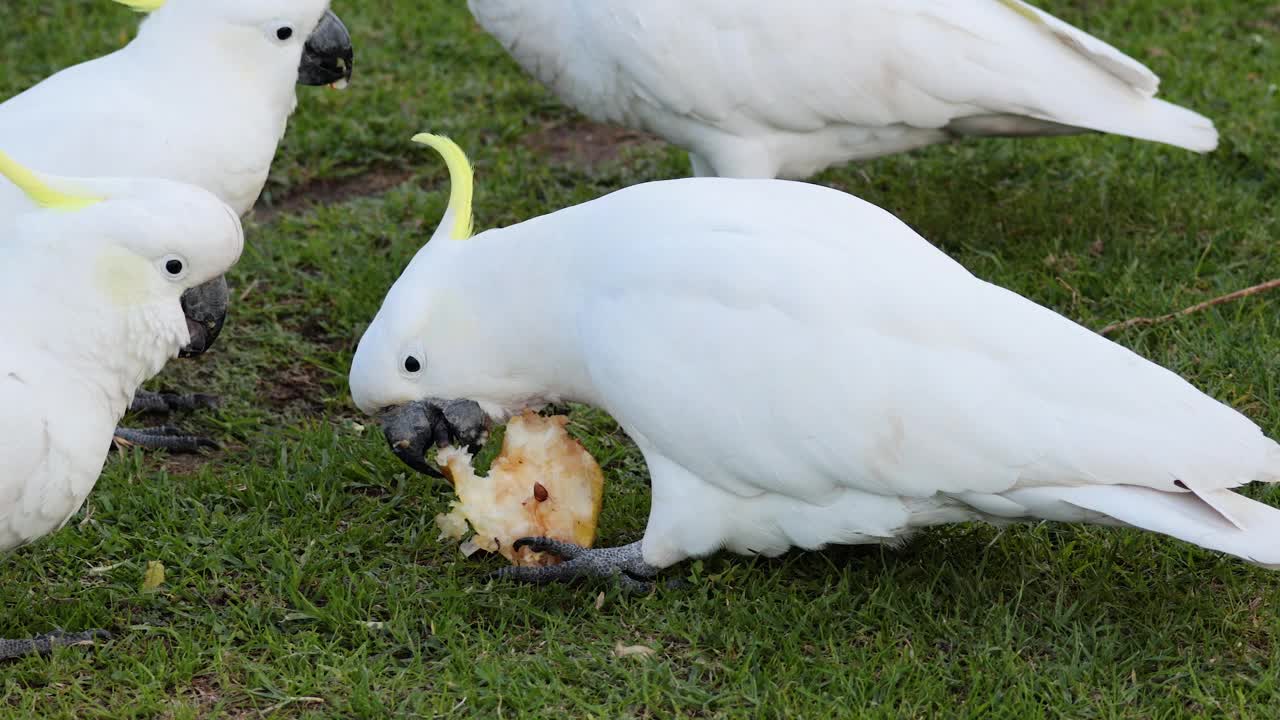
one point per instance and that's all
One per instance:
(201, 95)
(99, 281)
(763, 89)
(799, 368)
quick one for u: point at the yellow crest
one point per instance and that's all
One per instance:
(39, 191)
(461, 180)
(143, 6)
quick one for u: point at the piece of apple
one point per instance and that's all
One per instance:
(543, 484)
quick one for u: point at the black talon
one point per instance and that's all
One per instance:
(624, 565)
(524, 542)
(164, 438)
(45, 644)
(551, 546)
(163, 431)
(164, 403)
(192, 402)
(167, 437)
(564, 572)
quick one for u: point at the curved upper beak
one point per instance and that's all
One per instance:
(328, 56)
(206, 309)
(411, 430)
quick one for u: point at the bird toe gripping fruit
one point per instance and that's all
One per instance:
(543, 484)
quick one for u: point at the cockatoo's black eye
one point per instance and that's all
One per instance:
(412, 365)
(173, 266)
(284, 33)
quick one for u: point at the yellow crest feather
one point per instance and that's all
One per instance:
(142, 6)
(39, 191)
(461, 181)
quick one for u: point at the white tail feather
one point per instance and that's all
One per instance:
(1144, 119)
(1164, 122)
(1220, 520)
(1221, 501)
(1126, 69)
(1133, 110)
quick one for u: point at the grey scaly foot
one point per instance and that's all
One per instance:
(44, 644)
(165, 403)
(625, 564)
(163, 438)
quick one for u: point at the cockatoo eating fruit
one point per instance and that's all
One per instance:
(765, 89)
(799, 368)
(544, 484)
(103, 281)
(201, 96)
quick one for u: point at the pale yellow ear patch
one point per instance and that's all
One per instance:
(123, 277)
(144, 6)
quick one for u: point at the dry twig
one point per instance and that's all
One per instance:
(1144, 321)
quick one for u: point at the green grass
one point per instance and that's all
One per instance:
(304, 575)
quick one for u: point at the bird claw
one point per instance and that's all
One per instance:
(45, 644)
(166, 437)
(166, 403)
(551, 546)
(624, 565)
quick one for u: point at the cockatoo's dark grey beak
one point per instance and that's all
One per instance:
(206, 309)
(328, 56)
(411, 430)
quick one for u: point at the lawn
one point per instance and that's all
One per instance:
(304, 578)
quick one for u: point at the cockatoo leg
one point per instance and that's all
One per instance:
(165, 403)
(44, 644)
(624, 564)
(205, 308)
(162, 438)
(701, 168)
(734, 158)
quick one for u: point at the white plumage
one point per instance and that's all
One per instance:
(92, 310)
(202, 95)
(759, 88)
(799, 368)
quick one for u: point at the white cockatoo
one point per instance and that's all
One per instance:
(799, 368)
(202, 96)
(98, 282)
(765, 89)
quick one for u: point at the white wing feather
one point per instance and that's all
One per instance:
(844, 351)
(41, 485)
(116, 116)
(757, 66)
(55, 423)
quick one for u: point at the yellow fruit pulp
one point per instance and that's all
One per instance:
(543, 484)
